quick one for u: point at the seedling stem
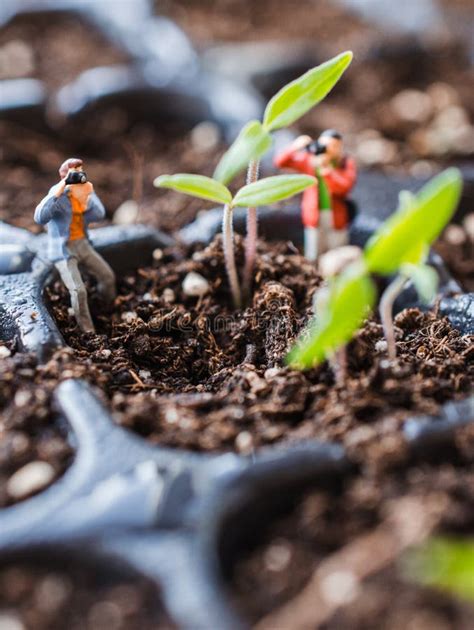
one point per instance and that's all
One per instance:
(252, 232)
(229, 256)
(386, 312)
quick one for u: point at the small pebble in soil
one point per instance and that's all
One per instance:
(169, 296)
(195, 285)
(4, 352)
(29, 479)
(22, 398)
(129, 317)
(205, 136)
(468, 224)
(9, 621)
(412, 106)
(126, 213)
(331, 263)
(422, 169)
(171, 415)
(16, 59)
(244, 442)
(373, 148)
(442, 94)
(277, 556)
(455, 235)
(381, 346)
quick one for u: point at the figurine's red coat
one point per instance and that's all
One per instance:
(339, 181)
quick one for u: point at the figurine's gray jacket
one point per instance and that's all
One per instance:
(56, 213)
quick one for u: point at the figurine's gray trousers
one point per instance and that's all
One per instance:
(82, 253)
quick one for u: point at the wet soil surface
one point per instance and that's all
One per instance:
(30, 432)
(36, 597)
(121, 167)
(193, 373)
(343, 546)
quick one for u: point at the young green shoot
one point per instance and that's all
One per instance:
(446, 564)
(286, 107)
(264, 192)
(399, 247)
(402, 244)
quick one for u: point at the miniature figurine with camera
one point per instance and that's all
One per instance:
(325, 210)
(67, 210)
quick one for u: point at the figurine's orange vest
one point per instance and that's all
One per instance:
(78, 196)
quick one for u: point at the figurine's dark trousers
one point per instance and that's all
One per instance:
(82, 253)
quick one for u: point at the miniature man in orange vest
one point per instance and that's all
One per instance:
(324, 208)
(67, 210)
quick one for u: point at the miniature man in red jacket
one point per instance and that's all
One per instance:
(324, 207)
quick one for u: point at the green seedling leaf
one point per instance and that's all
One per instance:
(272, 189)
(251, 143)
(299, 96)
(424, 278)
(196, 186)
(417, 255)
(339, 314)
(445, 563)
(416, 224)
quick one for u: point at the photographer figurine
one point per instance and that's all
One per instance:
(324, 208)
(67, 210)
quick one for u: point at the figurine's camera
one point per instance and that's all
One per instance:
(316, 148)
(76, 177)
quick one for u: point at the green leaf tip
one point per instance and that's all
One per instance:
(418, 221)
(445, 563)
(196, 186)
(298, 97)
(425, 280)
(251, 144)
(341, 308)
(272, 189)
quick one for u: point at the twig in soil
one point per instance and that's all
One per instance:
(137, 379)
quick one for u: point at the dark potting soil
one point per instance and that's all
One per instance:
(456, 247)
(342, 549)
(194, 373)
(29, 429)
(42, 597)
(118, 160)
(208, 21)
(404, 105)
(53, 48)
